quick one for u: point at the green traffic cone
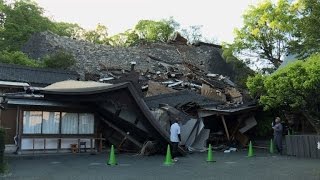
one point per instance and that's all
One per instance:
(271, 146)
(112, 158)
(168, 161)
(210, 156)
(250, 151)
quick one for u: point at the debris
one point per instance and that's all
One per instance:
(249, 123)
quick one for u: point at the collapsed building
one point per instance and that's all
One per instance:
(137, 91)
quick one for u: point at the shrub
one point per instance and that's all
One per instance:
(59, 60)
(17, 57)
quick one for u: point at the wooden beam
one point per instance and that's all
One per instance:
(123, 133)
(225, 126)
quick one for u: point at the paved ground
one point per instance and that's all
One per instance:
(228, 166)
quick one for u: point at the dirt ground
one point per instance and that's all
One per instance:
(194, 166)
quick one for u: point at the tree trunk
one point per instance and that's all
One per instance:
(313, 121)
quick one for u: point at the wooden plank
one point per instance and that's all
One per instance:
(100, 143)
(78, 145)
(314, 146)
(312, 143)
(44, 144)
(294, 145)
(303, 146)
(300, 146)
(288, 145)
(313, 153)
(123, 133)
(33, 145)
(91, 144)
(306, 146)
(225, 127)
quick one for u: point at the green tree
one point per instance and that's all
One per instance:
(306, 32)
(21, 19)
(17, 57)
(67, 29)
(292, 88)
(126, 39)
(266, 32)
(99, 35)
(59, 60)
(153, 31)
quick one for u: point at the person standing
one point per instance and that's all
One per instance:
(175, 138)
(277, 133)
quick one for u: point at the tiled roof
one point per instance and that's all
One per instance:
(34, 76)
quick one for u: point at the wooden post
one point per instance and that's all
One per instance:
(225, 126)
(91, 144)
(137, 143)
(58, 144)
(44, 145)
(78, 145)
(33, 145)
(100, 144)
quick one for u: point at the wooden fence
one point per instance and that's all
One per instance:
(303, 145)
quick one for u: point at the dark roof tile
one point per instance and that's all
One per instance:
(34, 76)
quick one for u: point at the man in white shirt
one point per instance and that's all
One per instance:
(175, 138)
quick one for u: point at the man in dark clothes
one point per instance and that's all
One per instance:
(277, 133)
(175, 138)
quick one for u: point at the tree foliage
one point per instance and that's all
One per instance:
(67, 29)
(306, 32)
(126, 39)
(292, 88)
(153, 31)
(273, 30)
(22, 19)
(266, 32)
(145, 31)
(99, 35)
(59, 60)
(17, 57)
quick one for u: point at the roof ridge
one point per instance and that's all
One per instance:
(37, 69)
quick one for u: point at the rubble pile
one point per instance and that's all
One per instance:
(173, 79)
(154, 58)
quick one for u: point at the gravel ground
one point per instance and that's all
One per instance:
(227, 166)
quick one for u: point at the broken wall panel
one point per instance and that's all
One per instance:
(199, 143)
(250, 122)
(186, 132)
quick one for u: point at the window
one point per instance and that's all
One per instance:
(50, 122)
(32, 121)
(42, 122)
(86, 123)
(69, 123)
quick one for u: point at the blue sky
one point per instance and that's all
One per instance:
(218, 18)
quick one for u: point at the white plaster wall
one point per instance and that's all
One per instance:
(26, 143)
